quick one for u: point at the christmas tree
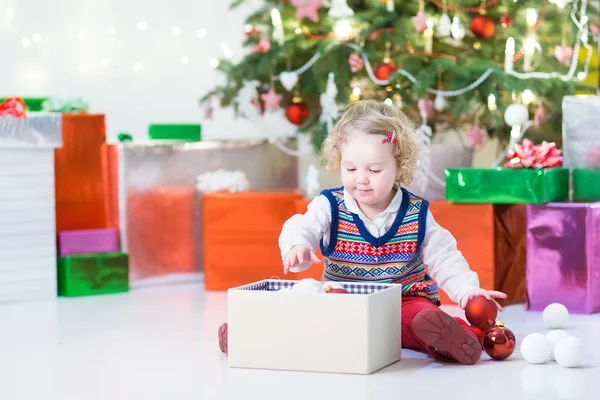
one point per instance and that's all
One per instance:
(483, 66)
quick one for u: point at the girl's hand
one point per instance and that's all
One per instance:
(298, 255)
(488, 294)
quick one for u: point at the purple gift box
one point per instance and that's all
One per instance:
(563, 256)
(88, 241)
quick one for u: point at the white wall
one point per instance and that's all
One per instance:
(75, 38)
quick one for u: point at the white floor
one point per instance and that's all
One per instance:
(161, 343)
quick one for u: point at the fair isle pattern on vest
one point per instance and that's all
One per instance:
(353, 254)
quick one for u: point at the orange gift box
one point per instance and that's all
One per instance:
(160, 231)
(490, 237)
(81, 188)
(240, 233)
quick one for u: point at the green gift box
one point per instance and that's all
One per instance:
(507, 185)
(586, 184)
(181, 132)
(91, 274)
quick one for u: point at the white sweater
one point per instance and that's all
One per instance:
(445, 264)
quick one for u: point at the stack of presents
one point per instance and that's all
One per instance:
(80, 216)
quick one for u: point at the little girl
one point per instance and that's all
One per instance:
(372, 229)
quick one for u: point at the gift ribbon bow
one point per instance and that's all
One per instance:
(391, 137)
(56, 104)
(529, 155)
(14, 107)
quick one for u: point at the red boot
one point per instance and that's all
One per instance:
(446, 336)
(223, 338)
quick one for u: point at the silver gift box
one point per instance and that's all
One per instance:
(160, 208)
(581, 130)
(37, 129)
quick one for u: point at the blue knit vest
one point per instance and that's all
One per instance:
(353, 254)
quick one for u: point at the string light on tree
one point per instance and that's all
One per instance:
(26, 42)
(343, 30)
(37, 37)
(529, 49)
(527, 97)
(175, 30)
(389, 4)
(428, 33)
(278, 34)
(509, 54)
(201, 33)
(491, 102)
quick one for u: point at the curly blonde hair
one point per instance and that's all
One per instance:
(372, 117)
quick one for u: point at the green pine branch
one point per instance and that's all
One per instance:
(462, 62)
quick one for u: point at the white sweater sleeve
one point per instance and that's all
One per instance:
(446, 264)
(306, 229)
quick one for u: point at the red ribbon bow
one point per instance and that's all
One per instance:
(13, 106)
(391, 137)
(529, 155)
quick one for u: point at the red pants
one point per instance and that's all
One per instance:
(411, 306)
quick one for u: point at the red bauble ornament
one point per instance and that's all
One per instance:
(223, 338)
(297, 113)
(341, 291)
(480, 333)
(481, 312)
(506, 20)
(499, 342)
(483, 26)
(384, 70)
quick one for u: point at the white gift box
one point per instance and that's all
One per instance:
(357, 333)
(27, 224)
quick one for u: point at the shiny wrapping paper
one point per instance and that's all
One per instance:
(161, 221)
(492, 240)
(91, 274)
(507, 185)
(563, 256)
(81, 184)
(37, 129)
(240, 236)
(581, 132)
(586, 184)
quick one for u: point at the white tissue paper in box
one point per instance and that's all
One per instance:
(273, 328)
(222, 181)
(581, 131)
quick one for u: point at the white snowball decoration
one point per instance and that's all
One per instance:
(535, 348)
(553, 337)
(555, 316)
(569, 352)
(308, 285)
(516, 114)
